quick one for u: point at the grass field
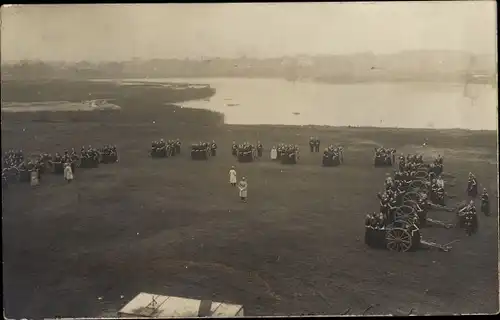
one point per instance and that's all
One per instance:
(176, 227)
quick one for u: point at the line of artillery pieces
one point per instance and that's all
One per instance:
(403, 234)
(49, 165)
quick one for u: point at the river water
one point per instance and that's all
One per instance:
(404, 105)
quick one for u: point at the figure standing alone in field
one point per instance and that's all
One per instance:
(68, 173)
(485, 203)
(472, 186)
(232, 177)
(243, 186)
(34, 178)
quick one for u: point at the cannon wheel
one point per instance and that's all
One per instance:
(422, 175)
(405, 210)
(417, 184)
(410, 203)
(411, 196)
(398, 239)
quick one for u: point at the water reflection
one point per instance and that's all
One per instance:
(408, 105)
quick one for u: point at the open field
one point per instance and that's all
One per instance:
(175, 226)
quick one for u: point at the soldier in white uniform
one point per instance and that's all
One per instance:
(274, 153)
(68, 173)
(232, 177)
(34, 178)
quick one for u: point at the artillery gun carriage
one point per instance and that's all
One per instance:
(384, 157)
(200, 152)
(289, 156)
(402, 235)
(333, 156)
(246, 153)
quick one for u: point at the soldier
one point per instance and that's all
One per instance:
(234, 148)
(312, 144)
(439, 159)
(485, 203)
(389, 184)
(213, 148)
(260, 149)
(472, 186)
(243, 186)
(316, 144)
(68, 174)
(178, 146)
(35, 175)
(232, 177)
(383, 202)
(274, 153)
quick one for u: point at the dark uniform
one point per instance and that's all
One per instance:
(485, 203)
(260, 149)
(317, 144)
(312, 144)
(213, 148)
(472, 187)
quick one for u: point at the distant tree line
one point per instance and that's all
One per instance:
(366, 67)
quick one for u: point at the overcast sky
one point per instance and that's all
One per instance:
(120, 32)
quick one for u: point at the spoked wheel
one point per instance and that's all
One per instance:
(404, 211)
(411, 196)
(417, 184)
(410, 203)
(398, 239)
(421, 175)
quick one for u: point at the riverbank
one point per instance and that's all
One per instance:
(17, 91)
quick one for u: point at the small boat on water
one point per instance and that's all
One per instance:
(232, 104)
(296, 113)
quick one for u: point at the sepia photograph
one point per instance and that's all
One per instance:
(249, 159)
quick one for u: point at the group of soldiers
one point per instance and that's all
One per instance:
(409, 166)
(433, 196)
(247, 150)
(287, 150)
(332, 154)
(89, 158)
(203, 150)
(410, 162)
(164, 148)
(109, 154)
(384, 156)
(18, 167)
(12, 158)
(314, 144)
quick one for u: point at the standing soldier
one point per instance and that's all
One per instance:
(312, 144)
(260, 148)
(234, 149)
(472, 186)
(34, 178)
(317, 143)
(243, 186)
(68, 174)
(274, 153)
(485, 203)
(232, 176)
(213, 148)
(178, 146)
